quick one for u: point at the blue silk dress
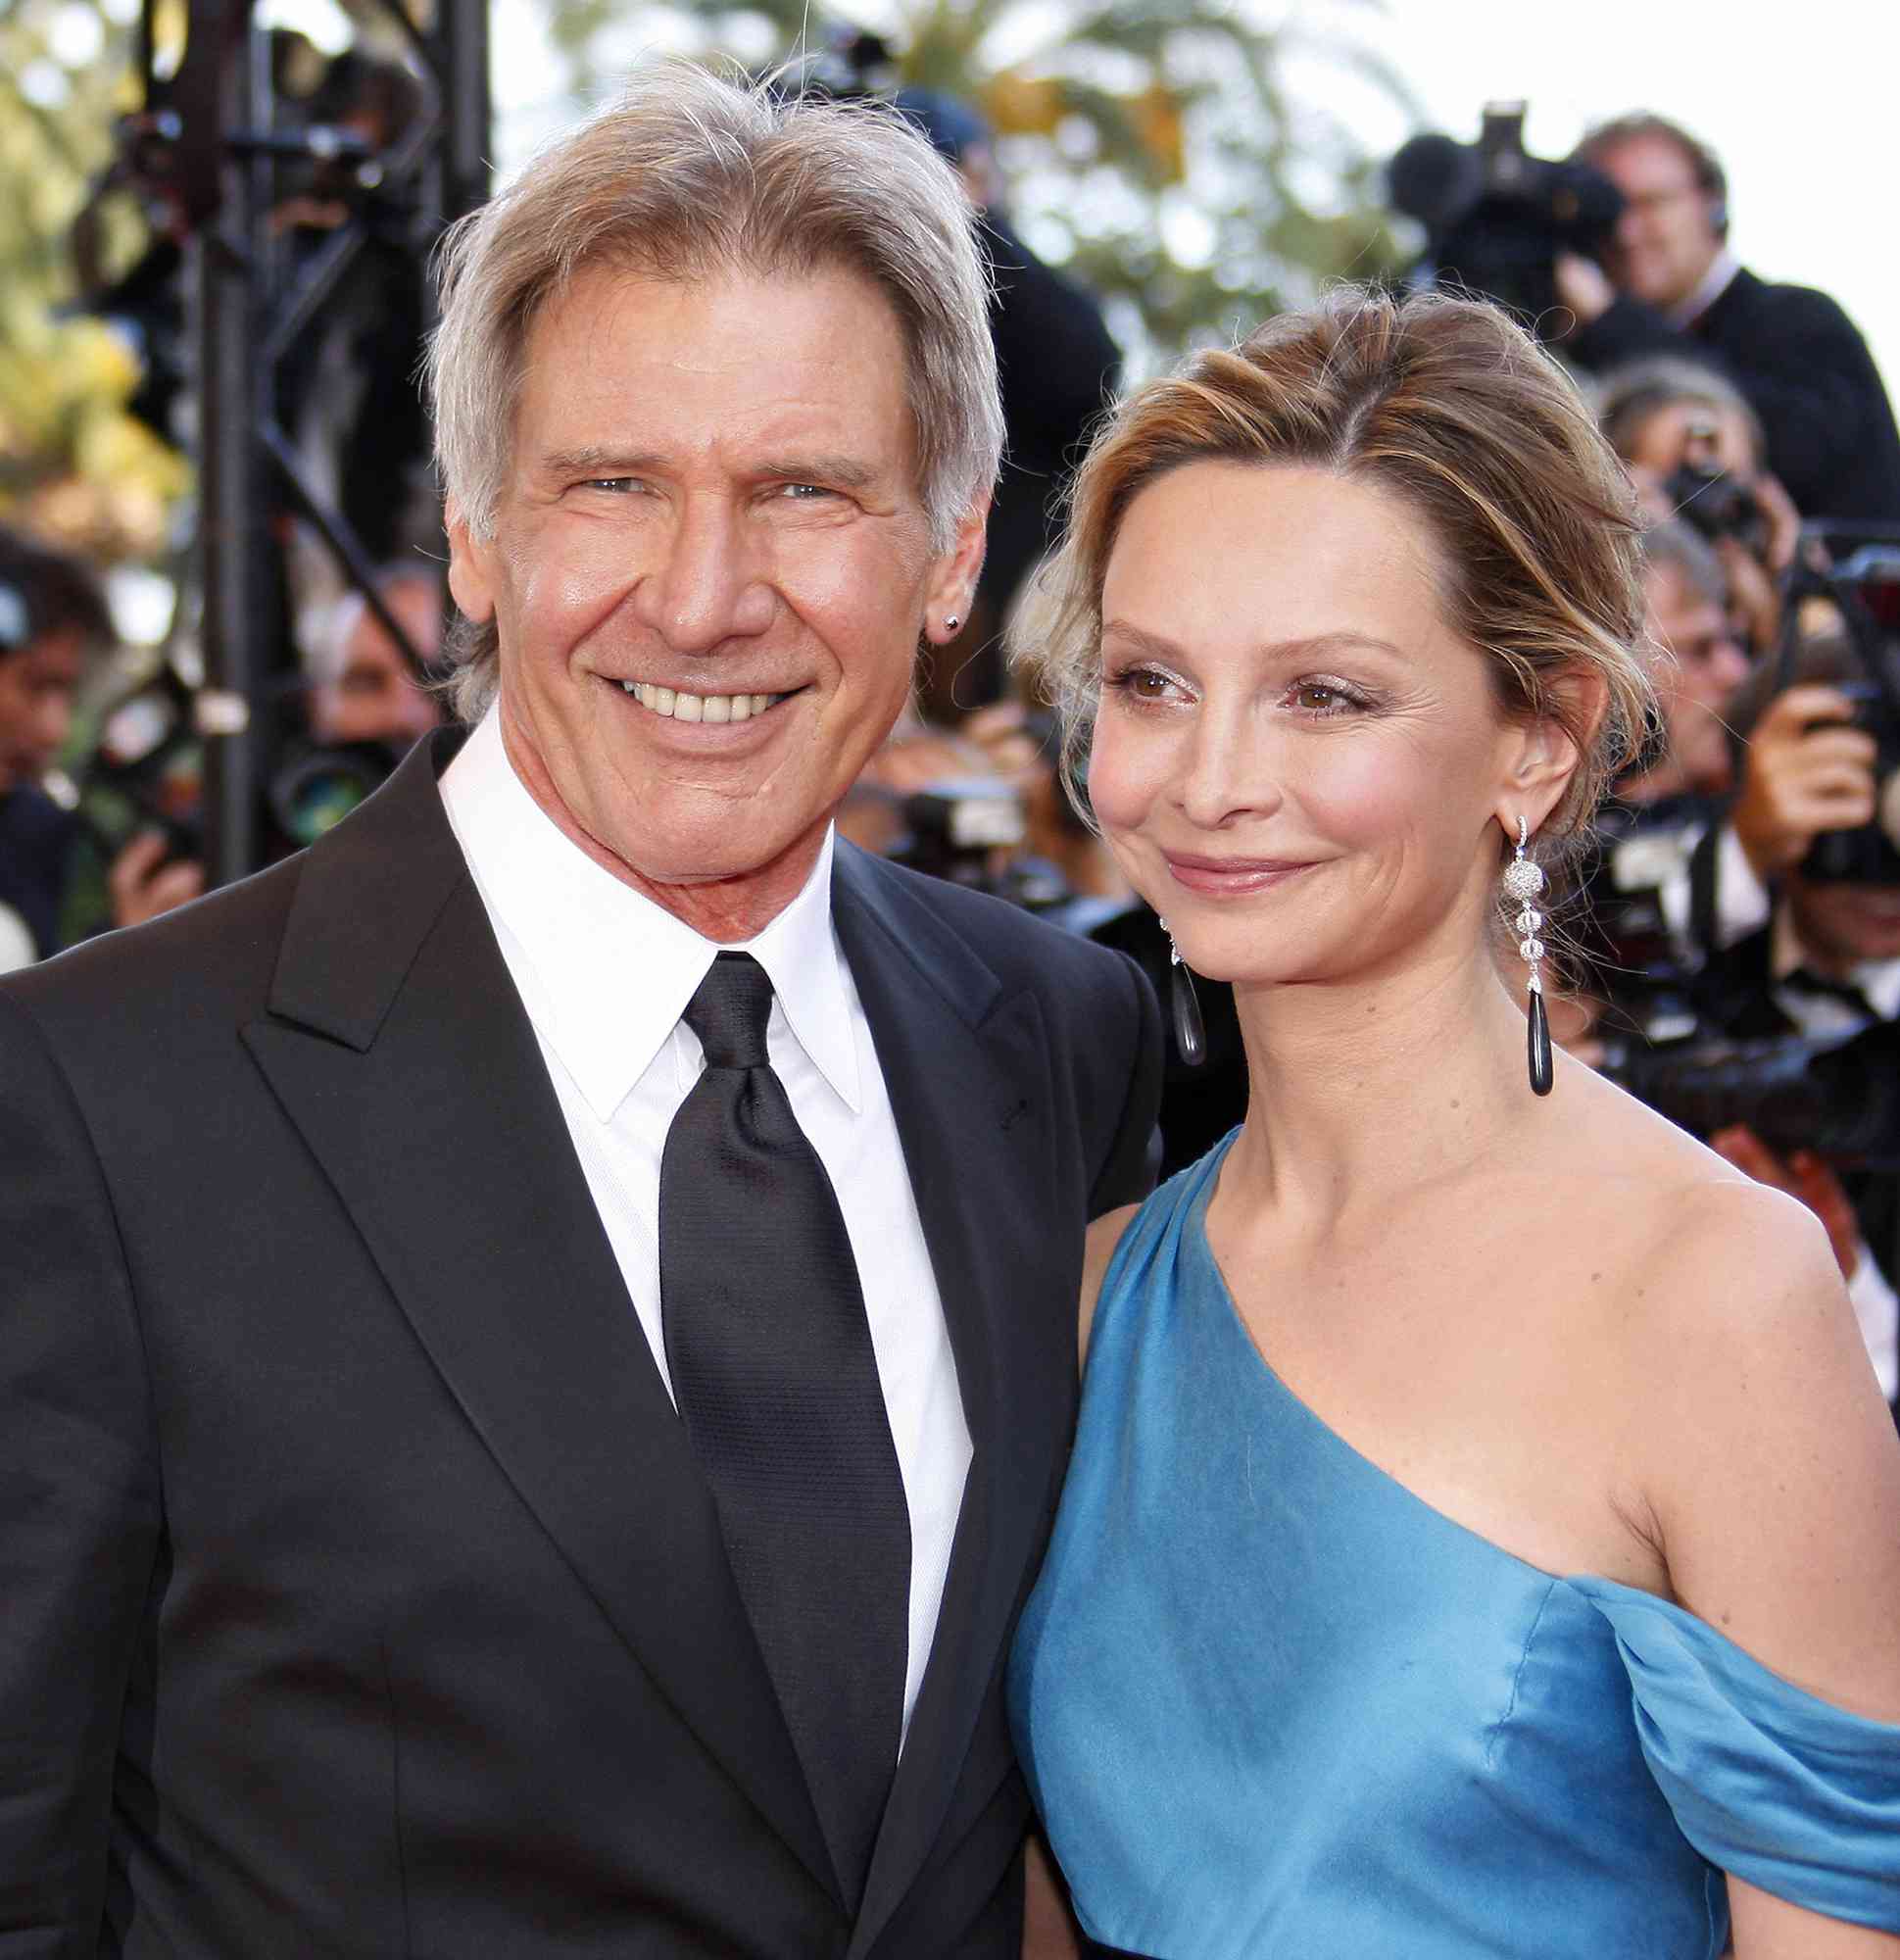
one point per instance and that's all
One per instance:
(1272, 1705)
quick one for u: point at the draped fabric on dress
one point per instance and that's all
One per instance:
(1271, 1703)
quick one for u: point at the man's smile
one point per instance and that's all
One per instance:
(679, 706)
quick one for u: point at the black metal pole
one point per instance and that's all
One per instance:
(226, 339)
(248, 308)
(462, 34)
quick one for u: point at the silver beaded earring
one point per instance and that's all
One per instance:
(1184, 1011)
(1523, 883)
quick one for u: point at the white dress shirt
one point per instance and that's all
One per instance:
(1713, 283)
(1660, 860)
(605, 975)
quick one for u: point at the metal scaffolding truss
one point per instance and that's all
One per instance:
(215, 142)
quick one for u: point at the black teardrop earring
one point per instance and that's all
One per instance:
(1524, 881)
(1184, 1011)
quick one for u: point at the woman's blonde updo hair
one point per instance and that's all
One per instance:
(1441, 401)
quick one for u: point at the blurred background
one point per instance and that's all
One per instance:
(221, 557)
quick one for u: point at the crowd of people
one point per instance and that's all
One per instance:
(323, 1608)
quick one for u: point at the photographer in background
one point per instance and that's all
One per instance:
(1688, 615)
(361, 687)
(1641, 932)
(1697, 452)
(1059, 367)
(1826, 966)
(53, 624)
(1670, 285)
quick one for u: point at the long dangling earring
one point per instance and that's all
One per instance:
(1523, 882)
(1189, 1036)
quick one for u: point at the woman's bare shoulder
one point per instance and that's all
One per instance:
(1104, 1235)
(1753, 1432)
(1701, 1233)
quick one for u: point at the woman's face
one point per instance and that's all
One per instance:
(1297, 761)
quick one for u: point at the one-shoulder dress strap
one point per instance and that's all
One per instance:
(1767, 1782)
(1149, 1247)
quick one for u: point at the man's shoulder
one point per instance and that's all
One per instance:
(1750, 298)
(345, 915)
(207, 959)
(29, 817)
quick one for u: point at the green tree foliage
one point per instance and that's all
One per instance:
(74, 465)
(1176, 155)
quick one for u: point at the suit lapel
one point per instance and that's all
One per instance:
(398, 1045)
(966, 1069)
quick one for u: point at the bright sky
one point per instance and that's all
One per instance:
(1802, 104)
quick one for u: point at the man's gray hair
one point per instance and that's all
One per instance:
(1628, 396)
(688, 176)
(1673, 544)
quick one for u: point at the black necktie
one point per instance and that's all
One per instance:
(775, 1379)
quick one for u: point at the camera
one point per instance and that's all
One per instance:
(971, 832)
(1629, 955)
(147, 773)
(1864, 584)
(1839, 1099)
(320, 783)
(1661, 1035)
(1495, 217)
(1717, 503)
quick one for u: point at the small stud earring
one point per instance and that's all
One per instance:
(952, 622)
(1184, 1010)
(1523, 881)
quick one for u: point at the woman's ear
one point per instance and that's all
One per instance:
(1541, 756)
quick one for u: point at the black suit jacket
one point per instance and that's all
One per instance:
(1805, 369)
(1060, 368)
(358, 1594)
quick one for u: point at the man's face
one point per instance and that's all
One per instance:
(1666, 239)
(1843, 926)
(373, 695)
(37, 683)
(710, 572)
(1698, 688)
(1667, 436)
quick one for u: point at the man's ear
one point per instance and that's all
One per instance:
(951, 586)
(472, 581)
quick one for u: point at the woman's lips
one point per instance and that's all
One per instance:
(1231, 877)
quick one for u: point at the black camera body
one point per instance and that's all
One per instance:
(1718, 504)
(1864, 583)
(1496, 218)
(971, 832)
(1838, 1098)
(1871, 855)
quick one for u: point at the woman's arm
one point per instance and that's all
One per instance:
(1774, 1479)
(1104, 1235)
(1048, 1932)
(1765, 1928)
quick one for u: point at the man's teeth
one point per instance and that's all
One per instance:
(699, 706)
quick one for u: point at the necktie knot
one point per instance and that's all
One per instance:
(730, 1010)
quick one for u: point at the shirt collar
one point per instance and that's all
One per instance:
(1876, 981)
(613, 970)
(1714, 284)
